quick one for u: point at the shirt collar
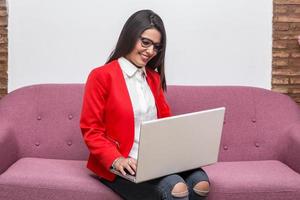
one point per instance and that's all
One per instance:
(129, 68)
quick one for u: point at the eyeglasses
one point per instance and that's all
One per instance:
(146, 43)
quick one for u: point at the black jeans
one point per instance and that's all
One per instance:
(159, 188)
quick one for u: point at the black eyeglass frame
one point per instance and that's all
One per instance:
(146, 43)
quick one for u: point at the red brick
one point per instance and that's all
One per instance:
(3, 38)
(3, 58)
(3, 83)
(280, 62)
(280, 54)
(3, 67)
(280, 89)
(293, 44)
(3, 30)
(3, 21)
(280, 80)
(294, 61)
(281, 9)
(286, 2)
(286, 72)
(293, 26)
(295, 55)
(289, 18)
(3, 48)
(294, 90)
(3, 13)
(2, 4)
(280, 44)
(296, 9)
(281, 26)
(3, 90)
(295, 80)
(284, 36)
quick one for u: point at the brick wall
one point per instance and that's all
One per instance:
(3, 48)
(286, 50)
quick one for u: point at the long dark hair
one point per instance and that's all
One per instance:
(132, 30)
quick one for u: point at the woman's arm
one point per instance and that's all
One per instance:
(92, 122)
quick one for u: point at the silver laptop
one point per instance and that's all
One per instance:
(178, 143)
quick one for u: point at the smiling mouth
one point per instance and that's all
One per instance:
(145, 58)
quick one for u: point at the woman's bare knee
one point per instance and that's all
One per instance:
(201, 188)
(180, 190)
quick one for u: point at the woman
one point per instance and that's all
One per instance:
(129, 89)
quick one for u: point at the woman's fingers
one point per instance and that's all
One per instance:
(129, 169)
(128, 164)
(132, 163)
(121, 169)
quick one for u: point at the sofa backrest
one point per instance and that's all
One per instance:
(255, 118)
(45, 119)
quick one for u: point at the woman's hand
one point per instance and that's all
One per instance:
(125, 164)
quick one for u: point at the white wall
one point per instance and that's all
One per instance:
(212, 42)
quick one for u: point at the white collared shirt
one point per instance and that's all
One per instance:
(141, 97)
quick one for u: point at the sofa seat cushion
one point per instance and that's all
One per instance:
(252, 180)
(38, 178)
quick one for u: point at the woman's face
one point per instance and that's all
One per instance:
(146, 48)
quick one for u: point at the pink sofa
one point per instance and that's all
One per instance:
(43, 156)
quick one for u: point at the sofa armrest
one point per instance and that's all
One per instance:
(291, 153)
(8, 147)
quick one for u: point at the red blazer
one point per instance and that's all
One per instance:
(107, 119)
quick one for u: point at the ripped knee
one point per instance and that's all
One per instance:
(180, 190)
(201, 188)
